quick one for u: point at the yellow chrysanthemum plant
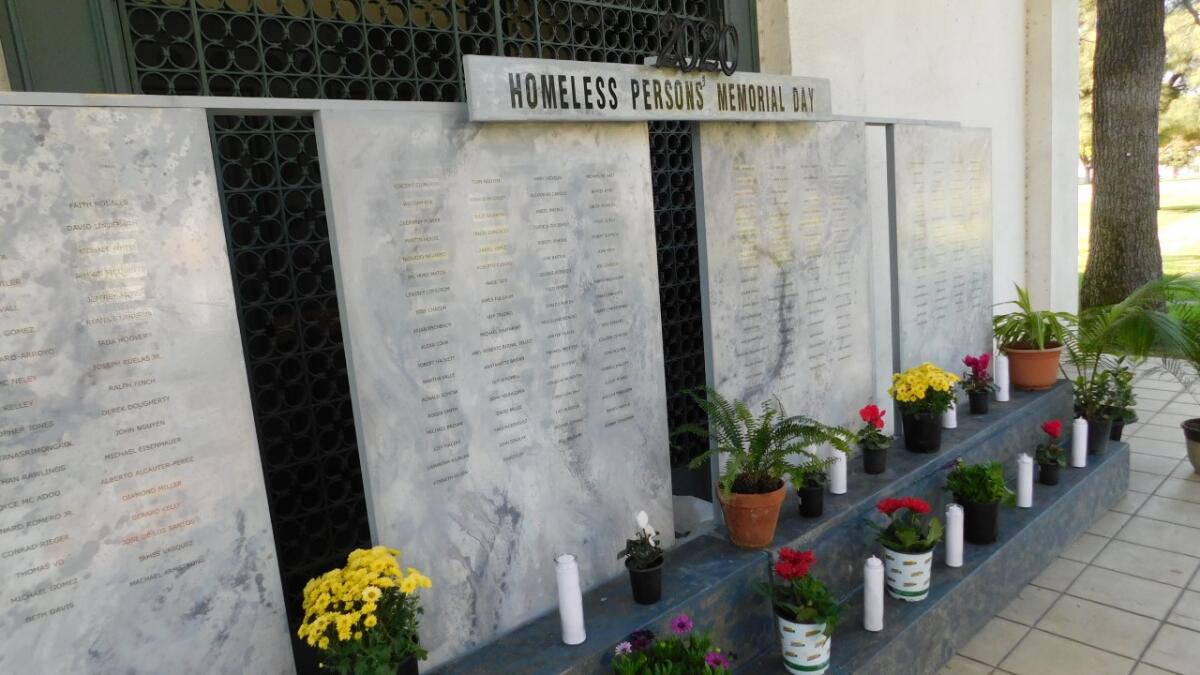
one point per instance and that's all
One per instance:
(923, 389)
(363, 617)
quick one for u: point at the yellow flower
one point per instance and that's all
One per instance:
(358, 635)
(371, 594)
(408, 585)
(323, 643)
(370, 621)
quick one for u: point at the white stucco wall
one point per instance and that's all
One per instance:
(934, 59)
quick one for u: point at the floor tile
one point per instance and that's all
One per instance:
(1186, 471)
(958, 665)
(1085, 547)
(994, 641)
(1154, 394)
(1172, 420)
(1141, 596)
(1150, 563)
(1160, 385)
(1059, 574)
(1147, 669)
(1183, 406)
(1195, 585)
(1029, 605)
(1172, 511)
(1158, 534)
(1149, 446)
(1108, 628)
(1108, 524)
(1160, 433)
(1144, 482)
(1178, 488)
(1130, 430)
(1162, 466)
(1187, 612)
(1176, 649)
(1041, 653)
(1130, 502)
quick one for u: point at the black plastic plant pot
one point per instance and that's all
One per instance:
(1118, 428)
(812, 500)
(647, 583)
(874, 460)
(1048, 474)
(409, 667)
(1099, 429)
(922, 432)
(979, 401)
(981, 522)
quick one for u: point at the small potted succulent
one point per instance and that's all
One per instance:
(805, 610)
(1032, 340)
(757, 452)
(363, 617)
(644, 559)
(1049, 455)
(908, 539)
(872, 441)
(979, 489)
(978, 382)
(810, 480)
(685, 651)
(923, 393)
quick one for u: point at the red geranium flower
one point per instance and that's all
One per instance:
(872, 415)
(891, 505)
(1053, 428)
(970, 361)
(794, 564)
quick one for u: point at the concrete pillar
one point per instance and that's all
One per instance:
(774, 37)
(1052, 153)
(5, 85)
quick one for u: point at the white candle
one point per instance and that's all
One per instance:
(1079, 432)
(570, 599)
(950, 417)
(837, 473)
(954, 536)
(873, 594)
(1024, 481)
(1001, 368)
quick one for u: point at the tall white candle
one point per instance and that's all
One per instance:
(570, 599)
(950, 417)
(837, 473)
(1024, 481)
(873, 594)
(954, 536)
(1001, 376)
(1079, 433)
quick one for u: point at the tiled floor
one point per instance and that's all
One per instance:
(1125, 597)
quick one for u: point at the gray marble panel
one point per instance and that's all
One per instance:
(786, 259)
(943, 193)
(500, 296)
(134, 533)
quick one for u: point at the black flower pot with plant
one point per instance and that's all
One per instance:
(922, 432)
(874, 460)
(979, 401)
(408, 667)
(646, 582)
(1099, 430)
(812, 498)
(1048, 474)
(981, 521)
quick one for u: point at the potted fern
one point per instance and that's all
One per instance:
(809, 479)
(1032, 340)
(757, 451)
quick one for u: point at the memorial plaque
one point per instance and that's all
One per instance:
(943, 189)
(134, 534)
(787, 265)
(499, 291)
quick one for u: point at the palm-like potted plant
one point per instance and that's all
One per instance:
(805, 610)
(644, 559)
(809, 479)
(1185, 365)
(980, 489)
(872, 442)
(1050, 457)
(908, 539)
(757, 452)
(1032, 340)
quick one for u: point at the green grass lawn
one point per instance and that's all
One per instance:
(1178, 225)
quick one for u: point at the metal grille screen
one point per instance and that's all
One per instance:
(274, 209)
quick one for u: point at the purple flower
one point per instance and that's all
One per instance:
(716, 660)
(624, 648)
(681, 625)
(641, 639)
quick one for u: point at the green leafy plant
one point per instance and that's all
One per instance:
(686, 652)
(798, 596)
(907, 529)
(644, 550)
(979, 483)
(758, 449)
(1049, 452)
(811, 473)
(1122, 398)
(1027, 328)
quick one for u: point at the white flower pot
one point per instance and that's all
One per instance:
(805, 647)
(906, 575)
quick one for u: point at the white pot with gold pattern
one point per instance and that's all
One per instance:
(805, 647)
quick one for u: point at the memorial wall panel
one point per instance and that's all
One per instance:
(499, 291)
(787, 259)
(943, 191)
(134, 533)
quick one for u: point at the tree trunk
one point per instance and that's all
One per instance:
(1130, 50)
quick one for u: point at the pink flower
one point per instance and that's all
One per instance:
(716, 660)
(624, 648)
(681, 625)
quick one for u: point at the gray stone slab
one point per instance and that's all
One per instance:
(943, 192)
(134, 533)
(786, 258)
(500, 296)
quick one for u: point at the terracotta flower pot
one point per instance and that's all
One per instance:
(1191, 432)
(1034, 369)
(751, 518)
